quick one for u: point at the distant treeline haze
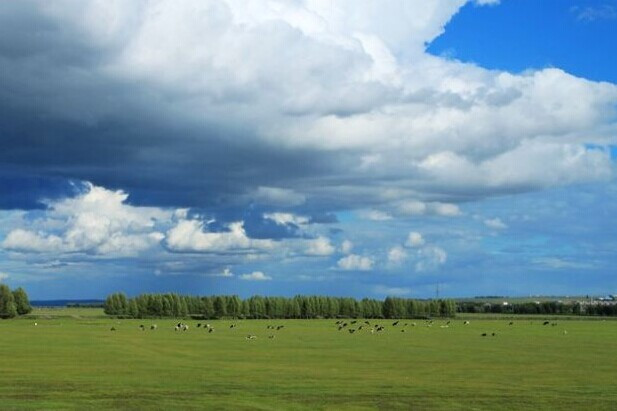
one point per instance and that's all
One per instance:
(223, 306)
(545, 307)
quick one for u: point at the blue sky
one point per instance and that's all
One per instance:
(278, 148)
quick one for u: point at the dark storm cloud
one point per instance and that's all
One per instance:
(64, 119)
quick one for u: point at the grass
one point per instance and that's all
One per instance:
(71, 360)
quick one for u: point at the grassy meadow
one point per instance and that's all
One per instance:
(72, 360)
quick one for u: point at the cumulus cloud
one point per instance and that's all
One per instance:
(377, 110)
(97, 221)
(346, 247)
(430, 258)
(414, 239)
(287, 218)
(495, 224)
(396, 255)
(320, 246)
(255, 276)
(226, 273)
(190, 236)
(354, 262)
(374, 215)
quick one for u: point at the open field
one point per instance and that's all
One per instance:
(72, 360)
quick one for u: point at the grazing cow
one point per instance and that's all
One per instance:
(112, 329)
(153, 327)
(367, 323)
(271, 336)
(351, 331)
(198, 325)
(403, 330)
(466, 323)
(251, 337)
(395, 323)
(35, 324)
(372, 331)
(493, 334)
(207, 325)
(232, 326)
(354, 321)
(483, 334)
(141, 327)
(176, 328)
(511, 323)
(413, 324)
(280, 327)
(340, 328)
(448, 322)
(210, 330)
(546, 323)
(344, 324)
(360, 327)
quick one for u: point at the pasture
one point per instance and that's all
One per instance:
(71, 360)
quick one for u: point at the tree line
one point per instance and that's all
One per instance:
(13, 303)
(300, 306)
(545, 308)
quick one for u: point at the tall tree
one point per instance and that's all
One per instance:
(7, 302)
(22, 304)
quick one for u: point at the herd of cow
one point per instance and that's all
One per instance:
(185, 327)
(352, 326)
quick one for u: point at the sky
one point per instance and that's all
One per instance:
(349, 148)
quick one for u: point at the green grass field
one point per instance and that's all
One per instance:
(71, 360)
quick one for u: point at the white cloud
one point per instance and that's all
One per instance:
(189, 236)
(377, 106)
(277, 196)
(346, 247)
(495, 223)
(97, 221)
(590, 14)
(286, 218)
(487, 2)
(391, 291)
(414, 239)
(430, 258)
(556, 263)
(255, 276)
(226, 273)
(415, 207)
(320, 246)
(397, 255)
(374, 215)
(355, 262)
(3, 276)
